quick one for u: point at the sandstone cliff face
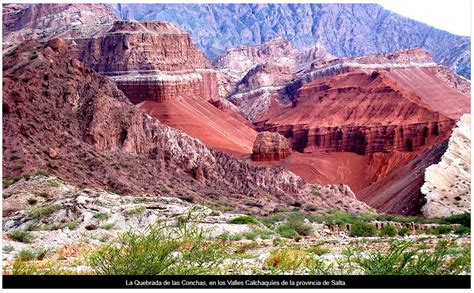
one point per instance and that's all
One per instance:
(151, 61)
(46, 21)
(447, 185)
(62, 118)
(270, 146)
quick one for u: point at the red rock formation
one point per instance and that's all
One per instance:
(53, 101)
(365, 113)
(270, 146)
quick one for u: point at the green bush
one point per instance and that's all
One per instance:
(362, 229)
(296, 222)
(270, 221)
(286, 231)
(461, 230)
(244, 220)
(22, 236)
(403, 231)
(101, 216)
(25, 255)
(440, 229)
(161, 250)
(388, 231)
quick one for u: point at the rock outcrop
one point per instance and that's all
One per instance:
(447, 186)
(270, 146)
(52, 100)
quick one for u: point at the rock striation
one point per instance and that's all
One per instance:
(447, 186)
(270, 146)
(151, 61)
(103, 141)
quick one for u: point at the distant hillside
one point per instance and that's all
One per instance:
(344, 29)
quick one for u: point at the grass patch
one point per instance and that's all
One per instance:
(25, 255)
(296, 222)
(19, 166)
(404, 231)
(318, 249)
(8, 248)
(69, 225)
(243, 220)
(165, 190)
(286, 231)
(22, 236)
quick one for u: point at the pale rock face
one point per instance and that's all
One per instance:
(448, 183)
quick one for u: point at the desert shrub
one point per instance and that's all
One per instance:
(246, 247)
(25, 255)
(406, 258)
(161, 250)
(22, 236)
(287, 259)
(69, 225)
(108, 226)
(296, 222)
(101, 216)
(337, 217)
(32, 201)
(362, 229)
(257, 233)
(271, 220)
(41, 173)
(8, 248)
(42, 211)
(403, 231)
(461, 230)
(19, 166)
(286, 231)
(318, 249)
(388, 231)
(439, 230)
(7, 182)
(244, 220)
(135, 212)
(165, 189)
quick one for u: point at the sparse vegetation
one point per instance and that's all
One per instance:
(69, 225)
(42, 211)
(135, 212)
(19, 166)
(408, 258)
(108, 226)
(318, 249)
(101, 216)
(22, 236)
(165, 190)
(296, 222)
(403, 231)
(287, 259)
(32, 201)
(155, 252)
(7, 182)
(8, 248)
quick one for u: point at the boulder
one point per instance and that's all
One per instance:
(270, 146)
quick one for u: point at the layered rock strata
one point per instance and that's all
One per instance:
(64, 119)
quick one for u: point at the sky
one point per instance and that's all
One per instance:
(453, 16)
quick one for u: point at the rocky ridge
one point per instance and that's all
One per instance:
(355, 29)
(447, 186)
